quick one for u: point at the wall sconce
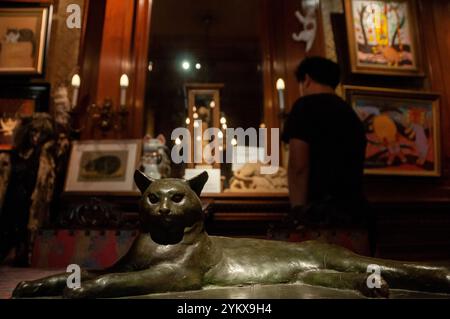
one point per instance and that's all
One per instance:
(106, 118)
(104, 115)
(76, 83)
(280, 88)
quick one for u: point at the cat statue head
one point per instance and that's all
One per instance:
(169, 207)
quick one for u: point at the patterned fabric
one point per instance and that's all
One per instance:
(88, 249)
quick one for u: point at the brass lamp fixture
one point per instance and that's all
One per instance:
(104, 116)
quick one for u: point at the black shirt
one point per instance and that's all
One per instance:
(337, 144)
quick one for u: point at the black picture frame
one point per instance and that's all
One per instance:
(39, 92)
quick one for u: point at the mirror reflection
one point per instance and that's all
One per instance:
(210, 42)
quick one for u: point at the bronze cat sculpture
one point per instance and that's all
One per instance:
(174, 253)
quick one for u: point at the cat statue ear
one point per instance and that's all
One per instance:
(198, 182)
(142, 181)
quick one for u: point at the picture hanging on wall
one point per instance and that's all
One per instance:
(383, 37)
(402, 130)
(24, 33)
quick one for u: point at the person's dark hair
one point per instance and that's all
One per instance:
(319, 69)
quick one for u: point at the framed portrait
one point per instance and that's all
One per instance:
(17, 101)
(24, 34)
(103, 166)
(383, 37)
(402, 130)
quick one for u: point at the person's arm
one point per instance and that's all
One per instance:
(298, 171)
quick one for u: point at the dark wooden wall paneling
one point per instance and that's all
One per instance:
(115, 41)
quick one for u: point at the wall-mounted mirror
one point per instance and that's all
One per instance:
(204, 41)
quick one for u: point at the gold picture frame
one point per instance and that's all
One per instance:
(383, 37)
(24, 36)
(402, 129)
(103, 167)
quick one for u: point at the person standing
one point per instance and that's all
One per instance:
(327, 145)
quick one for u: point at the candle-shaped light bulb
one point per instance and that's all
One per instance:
(280, 84)
(280, 88)
(76, 82)
(124, 82)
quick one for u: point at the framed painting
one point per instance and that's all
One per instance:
(383, 37)
(24, 34)
(402, 130)
(17, 101)
(103, 166)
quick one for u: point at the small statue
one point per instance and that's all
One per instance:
(155, 161)
(174, 253)
(308, 22)
(249, 179)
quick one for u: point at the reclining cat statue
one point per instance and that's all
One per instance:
(174, 253)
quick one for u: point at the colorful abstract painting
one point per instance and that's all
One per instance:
(382, 36)
(402, 131)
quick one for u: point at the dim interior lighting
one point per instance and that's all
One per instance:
(280, 84)
(177, 141)
(195, 124)
(194, 109)
(224, 126)
(220, 134)
(198, 66)
(150, 66)
(262, 125)
(234, 142)
(188, 120)
(124, 82)
(199, 138)
(195, 116)
(212, 104)
(186, 65)
(223, 120)
(76, 81)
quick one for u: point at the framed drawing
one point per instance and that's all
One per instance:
(24, 33)
(402, 130)
(103, 166)
(383, 37)
(17, 101)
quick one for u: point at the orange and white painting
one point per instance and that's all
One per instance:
(382, 36)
